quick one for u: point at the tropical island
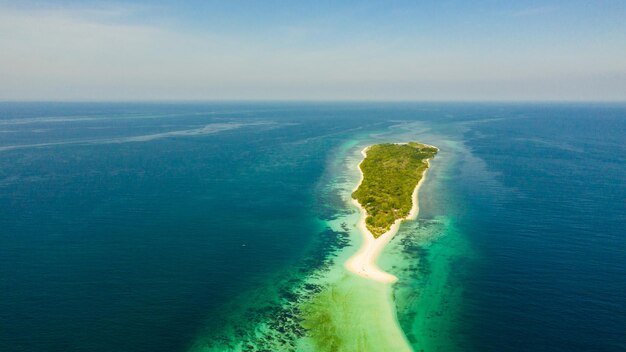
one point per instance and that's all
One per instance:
(353, 314)
(391, 173)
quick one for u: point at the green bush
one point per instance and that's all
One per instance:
(390, 174)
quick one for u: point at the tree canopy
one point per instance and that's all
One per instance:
(390, 174)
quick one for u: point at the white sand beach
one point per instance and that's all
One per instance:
(363, 262)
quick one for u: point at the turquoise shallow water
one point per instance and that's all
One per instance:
(165, 227)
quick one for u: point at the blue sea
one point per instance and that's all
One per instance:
(162, 226)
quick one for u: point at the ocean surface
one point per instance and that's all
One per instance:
(221, 226)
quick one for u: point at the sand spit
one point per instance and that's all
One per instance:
(363, 262)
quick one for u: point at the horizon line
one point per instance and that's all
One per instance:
(279, 100)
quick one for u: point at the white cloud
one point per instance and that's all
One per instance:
(533, 11)
(96, 54)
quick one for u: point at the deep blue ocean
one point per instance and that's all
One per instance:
(136, 227)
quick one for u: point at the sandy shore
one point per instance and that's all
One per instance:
(363, 262)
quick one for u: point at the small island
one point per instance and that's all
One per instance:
(391, 173)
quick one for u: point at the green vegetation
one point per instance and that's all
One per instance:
(390, 174)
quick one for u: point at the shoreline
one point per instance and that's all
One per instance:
(363, 262)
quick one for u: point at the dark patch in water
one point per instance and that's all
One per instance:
(282, 319)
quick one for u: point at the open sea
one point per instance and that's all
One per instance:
(203, 226)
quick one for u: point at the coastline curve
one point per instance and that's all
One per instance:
(363, 262)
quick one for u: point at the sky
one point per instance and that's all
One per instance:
(313, 50)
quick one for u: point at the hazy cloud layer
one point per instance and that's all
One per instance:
(114, 53)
